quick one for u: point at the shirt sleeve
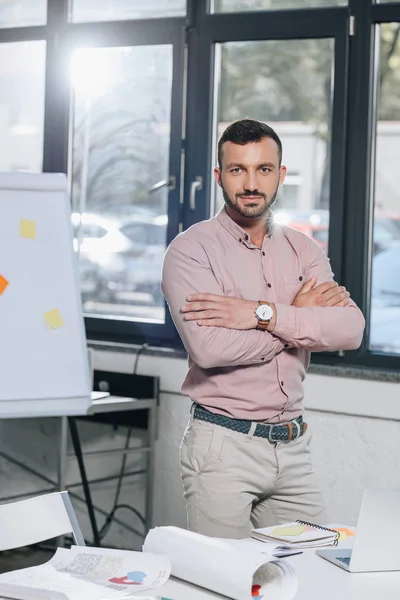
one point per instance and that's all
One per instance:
(320, 328)
(187, 270)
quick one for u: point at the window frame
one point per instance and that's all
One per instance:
(143, 32)
(360, 163)
(259, 26)
(193, 38)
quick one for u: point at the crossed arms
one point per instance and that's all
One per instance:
(220, 331)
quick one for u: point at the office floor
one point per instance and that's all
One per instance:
(23, 557)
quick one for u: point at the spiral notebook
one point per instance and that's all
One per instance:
(298, 534)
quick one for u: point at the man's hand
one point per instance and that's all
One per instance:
(221, 311)
(325, 294)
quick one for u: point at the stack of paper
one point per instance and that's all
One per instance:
(233, 568)
(87, 574)
(297, 535)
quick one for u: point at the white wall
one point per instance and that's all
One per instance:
(356, 433)
(355, 424)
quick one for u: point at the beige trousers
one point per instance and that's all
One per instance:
(232, 481)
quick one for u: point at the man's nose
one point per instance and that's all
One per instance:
(250, 182)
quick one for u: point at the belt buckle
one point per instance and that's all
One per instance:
(294, 422)
(271, 441)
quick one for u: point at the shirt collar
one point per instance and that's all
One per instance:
(236, 231)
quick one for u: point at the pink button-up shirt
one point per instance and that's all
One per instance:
(253, 374)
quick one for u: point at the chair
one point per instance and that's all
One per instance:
(38, 519)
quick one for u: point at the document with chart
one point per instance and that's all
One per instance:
(83, 573)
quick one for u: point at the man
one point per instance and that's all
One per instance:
(250, 301)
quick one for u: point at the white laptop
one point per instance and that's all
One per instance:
(376, 544)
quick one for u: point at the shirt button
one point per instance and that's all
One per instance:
(262, 358)
(300, 278)
(269, 285)
(286, 345)
(246, 237)
(240, 240)
(282, 383)
(263, 253)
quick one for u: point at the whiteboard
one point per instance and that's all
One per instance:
(44, 367)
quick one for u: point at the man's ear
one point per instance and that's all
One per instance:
(282, 174)
(217, 175)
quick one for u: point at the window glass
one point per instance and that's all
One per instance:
(121, 138)
(231, 6)
(385, 286)
(22, 90)
(23, 13)
(93, 10)
(290, 84)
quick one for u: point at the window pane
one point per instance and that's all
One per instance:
(22, 82)
(287, 84)
(121, 139)
(385, 289)
(92, 10)
(23, 13)
(253, 5)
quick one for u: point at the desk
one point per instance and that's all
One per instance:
(113, 407)
(140, 411)
(318, 580)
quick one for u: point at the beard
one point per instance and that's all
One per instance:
(250, 211)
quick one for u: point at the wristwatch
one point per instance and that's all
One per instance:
(264, 313)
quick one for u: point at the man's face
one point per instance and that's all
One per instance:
(250, 176)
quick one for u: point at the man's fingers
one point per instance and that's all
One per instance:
(203, 314)
(322, 288)
(205, 297)
(339, 300)
(333, 292)
(308, 286)
(211, 323)
(195, 306)
(344, 302)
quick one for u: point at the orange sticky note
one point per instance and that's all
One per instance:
(53, 318)
(27, 229)
(3, 284)
(344, 530)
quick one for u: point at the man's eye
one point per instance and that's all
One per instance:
(265, 170)
(236, 170)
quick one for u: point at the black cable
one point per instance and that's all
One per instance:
(139, 352)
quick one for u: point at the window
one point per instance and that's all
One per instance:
(22, 76)
(154, 83)
(385, 286)
(254, 5)
(23, 13)
(291, 89)
(92, 10)
(121, 139)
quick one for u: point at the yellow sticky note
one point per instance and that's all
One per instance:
(342, 536)
(27, 228)
(290, 530)
(53, 318)
(3, 284)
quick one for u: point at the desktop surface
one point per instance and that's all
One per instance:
(318, 580)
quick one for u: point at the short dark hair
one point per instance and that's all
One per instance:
(246, 131)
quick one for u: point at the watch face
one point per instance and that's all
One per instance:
(264, 312)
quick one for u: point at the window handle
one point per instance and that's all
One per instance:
(195, 186)
(169, 183)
